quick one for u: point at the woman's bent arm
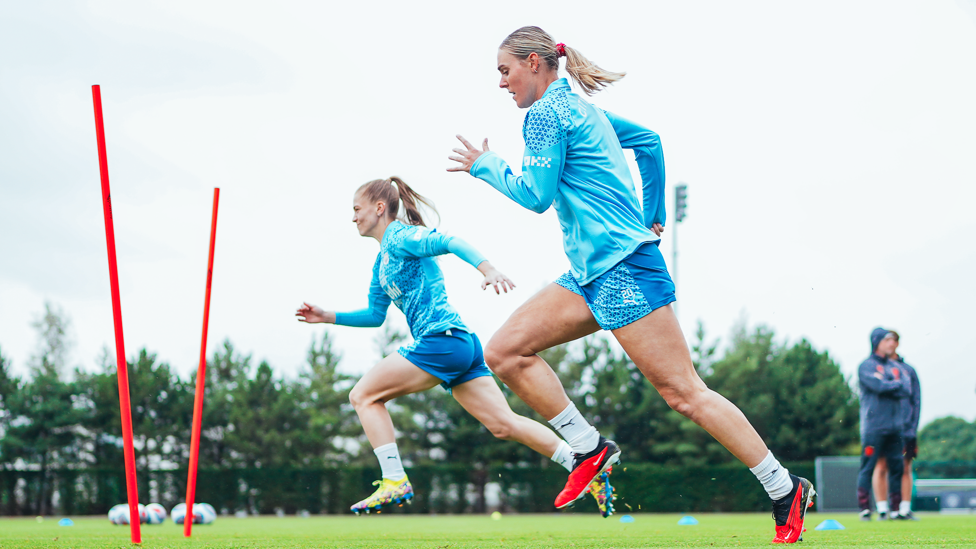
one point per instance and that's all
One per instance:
(373, 315)
(650, 160)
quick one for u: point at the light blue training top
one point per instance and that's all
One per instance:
(406, 274)
(574, 161)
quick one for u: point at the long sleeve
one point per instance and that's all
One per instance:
(542, 163)
(879, 383)
(916, 400)
(374, 314)
(650, 160)
(422, 242)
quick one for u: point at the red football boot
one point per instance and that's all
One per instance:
(586, 469)
(790, 511)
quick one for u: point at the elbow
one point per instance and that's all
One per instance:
(376, 321)
(540, 205)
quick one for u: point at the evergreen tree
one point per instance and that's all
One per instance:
(9, 385)
(44, 419)
(226, 372)
(947, 438)
(325, 397)
(266, 427)
(796, 397)
(162, 412)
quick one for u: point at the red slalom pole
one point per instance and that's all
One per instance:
(191, 481)
(132, 490)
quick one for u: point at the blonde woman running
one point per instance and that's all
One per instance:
(574, 162)
(444, 351)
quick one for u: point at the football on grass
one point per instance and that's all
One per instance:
(155, 513)
(119, 514)
(203, 513)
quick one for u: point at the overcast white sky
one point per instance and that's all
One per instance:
(827, 147)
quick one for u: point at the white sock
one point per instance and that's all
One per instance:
(882, 506)
(564, 455)
(390, 463)
(904, 507)
(774, 477)
(580, 435)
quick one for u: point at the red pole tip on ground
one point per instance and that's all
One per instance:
(131, 486)
(191, 482)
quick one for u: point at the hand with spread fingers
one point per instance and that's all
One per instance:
(314, 315)
(466, 157)
(495, 278)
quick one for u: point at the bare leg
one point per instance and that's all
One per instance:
(482, 398)
(553, 316)
(657, 346)
(392, 377)
(879, 480)
(906, 481)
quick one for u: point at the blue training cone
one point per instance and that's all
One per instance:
(626, 518)
(66, 522)
(687, 520)
(830, 524)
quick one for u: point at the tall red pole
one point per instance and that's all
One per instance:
(191, 482)
(132, 490)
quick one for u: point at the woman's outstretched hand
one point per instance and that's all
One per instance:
(467, 156)
(494, 278)
(313, 315)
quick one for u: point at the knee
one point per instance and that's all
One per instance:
(686, 400)
(881, 465)
(359, 398)
(502, 360)
(501, 430)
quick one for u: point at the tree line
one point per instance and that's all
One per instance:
(257, 418)
(254, 416)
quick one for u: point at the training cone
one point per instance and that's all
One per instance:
(830, 524)
(66, 522)
(687, 520)
(626, 518)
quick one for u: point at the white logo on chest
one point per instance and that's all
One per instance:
(390, 288)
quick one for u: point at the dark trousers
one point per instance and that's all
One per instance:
(873, 446)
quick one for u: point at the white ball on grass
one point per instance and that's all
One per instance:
(119, 514)
(155, 513)
(203, 513)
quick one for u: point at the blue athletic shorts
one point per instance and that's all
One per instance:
(454, 356)
(629, 291)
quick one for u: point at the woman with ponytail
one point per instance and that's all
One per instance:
(574, 162)
(444, 351)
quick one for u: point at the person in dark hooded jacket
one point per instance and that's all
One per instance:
(910, 407)
(883, 386)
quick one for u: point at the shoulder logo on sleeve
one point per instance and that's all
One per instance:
(540, 161)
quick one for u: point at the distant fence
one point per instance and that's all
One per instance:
(836, 480)
(439, 489)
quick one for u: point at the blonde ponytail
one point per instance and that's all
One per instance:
(391, 192)
(587, 75)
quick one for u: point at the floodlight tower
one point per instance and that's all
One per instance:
(680, 208)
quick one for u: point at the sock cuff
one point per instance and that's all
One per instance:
(766, 465)
(562, 416)
(561, 449)
(385, 448)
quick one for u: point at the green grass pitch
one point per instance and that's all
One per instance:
(561, 531)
